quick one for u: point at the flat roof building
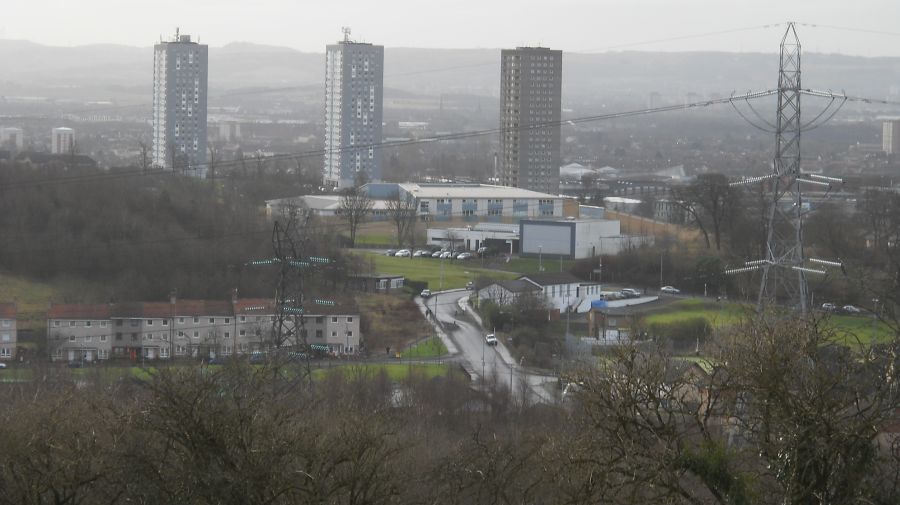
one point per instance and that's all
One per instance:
(62, 140)
(530, 112)
(354, 78)
(890, 136)
(180, 69)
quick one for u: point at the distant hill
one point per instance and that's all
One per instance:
(105, 71)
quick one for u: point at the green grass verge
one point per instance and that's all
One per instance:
(431, 348)
(531, 265)
(394, 371)
(456, 273)
(375, 239)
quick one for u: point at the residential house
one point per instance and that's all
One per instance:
(562, 290)
(8, 334)
(186, 328)
(79, 332)
(507, 292)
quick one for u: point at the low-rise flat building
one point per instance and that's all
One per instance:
(445, 202)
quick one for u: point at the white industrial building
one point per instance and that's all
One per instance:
(547, 238)
(448, 201)
(481, 202)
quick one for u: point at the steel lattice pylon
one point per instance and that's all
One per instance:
(783, 276)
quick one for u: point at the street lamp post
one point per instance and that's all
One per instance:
(874, 320)
(541, 258)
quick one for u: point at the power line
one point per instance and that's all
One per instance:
(851, 29)
(684, 37)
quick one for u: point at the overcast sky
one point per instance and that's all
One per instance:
(570, 25)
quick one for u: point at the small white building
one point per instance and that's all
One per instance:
(504, 237)
(561, 291)
(574, 238)
(507, 292)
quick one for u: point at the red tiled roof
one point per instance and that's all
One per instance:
(79, 311)
(8, 310)
(189, 308)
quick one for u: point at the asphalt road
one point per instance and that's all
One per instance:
(463, 335)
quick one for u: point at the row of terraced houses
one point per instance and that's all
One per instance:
(186, 329)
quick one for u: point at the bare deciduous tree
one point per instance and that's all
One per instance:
(402, 212)
(356, 204)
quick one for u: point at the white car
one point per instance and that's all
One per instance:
(465, 256)
(490, 339)
(402, 253)
(850, 309)
(669, 290)
(426, 293)
(420, 253)
(446, 254)
(437, 254)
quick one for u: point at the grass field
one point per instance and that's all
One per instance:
(849, 330)
(32, 299)
(718, 315)
(456, 273)
(431, 348)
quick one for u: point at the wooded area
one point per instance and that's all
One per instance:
(778, 415)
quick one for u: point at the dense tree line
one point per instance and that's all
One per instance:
(139, 235)
(783, 416)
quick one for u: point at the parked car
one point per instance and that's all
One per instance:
(465, 256)
(669, 290)
(420, 253)
(630, 293)
(437, 254)
(850, 309)
(426, 293)
(490, 339)
(829, 307)
(402, 253)
(470, 285)
(446, 254)
(2, 365)
(390, 252)
(482, 251)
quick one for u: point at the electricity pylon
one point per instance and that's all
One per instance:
(784, 267)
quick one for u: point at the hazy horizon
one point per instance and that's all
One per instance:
(578, 26)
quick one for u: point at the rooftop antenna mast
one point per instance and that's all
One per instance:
(346, 30)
